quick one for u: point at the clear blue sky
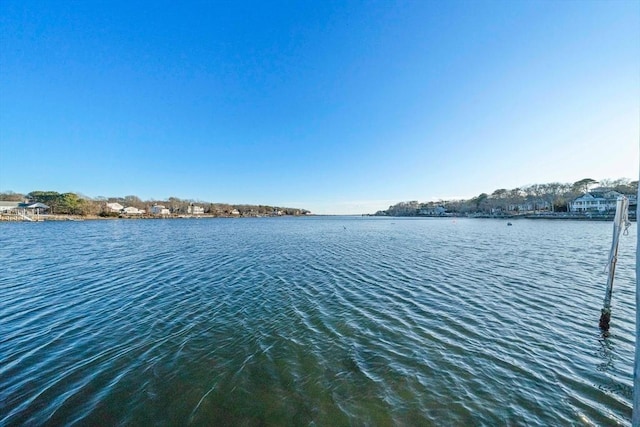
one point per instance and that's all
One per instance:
(333, 106)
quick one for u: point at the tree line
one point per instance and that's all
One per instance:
(551, 197)
(78, 204)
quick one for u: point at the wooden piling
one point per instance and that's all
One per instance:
(619, 222)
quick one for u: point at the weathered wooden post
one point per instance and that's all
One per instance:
(620, 221)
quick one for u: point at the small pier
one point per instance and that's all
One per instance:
(16, 211)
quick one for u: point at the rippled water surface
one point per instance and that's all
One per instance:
(321, 321)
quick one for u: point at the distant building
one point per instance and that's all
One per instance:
(528, 206)
(596, 201)
(521, 207)
(432, 210)
(130, 210)
(35, 207)
(195, 210)
(235, 212)
(27, 210)
(159, 210)
(114, 207)
(8, 206)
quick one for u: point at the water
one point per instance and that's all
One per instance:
(313, 321)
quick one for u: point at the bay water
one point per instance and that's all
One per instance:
(314, 321)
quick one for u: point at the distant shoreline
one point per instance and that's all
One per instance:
(80, 218)
(548, 216)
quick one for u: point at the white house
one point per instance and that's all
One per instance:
(596, 202)
(6, 206)
(159, 210)
(114, 207)
(130, 210)
(195, 210)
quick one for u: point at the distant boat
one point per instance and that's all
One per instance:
(509, 223)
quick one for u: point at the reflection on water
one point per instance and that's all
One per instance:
(607, 353)
(331, 321)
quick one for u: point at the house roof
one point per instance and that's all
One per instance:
(594, 195)
(13, 205)
(33, 205)
(9, 204)
(585, 196)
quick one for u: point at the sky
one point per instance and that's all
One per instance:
(339, 107)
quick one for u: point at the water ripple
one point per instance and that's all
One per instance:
(325, 321)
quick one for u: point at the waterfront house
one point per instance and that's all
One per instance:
(159, 210)
(6, 206)
(195, 210)
(31, 208)
(432, 211)
(529, 206)
(114, 207)
(521, 207)
(130, 210)
(596, 201)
